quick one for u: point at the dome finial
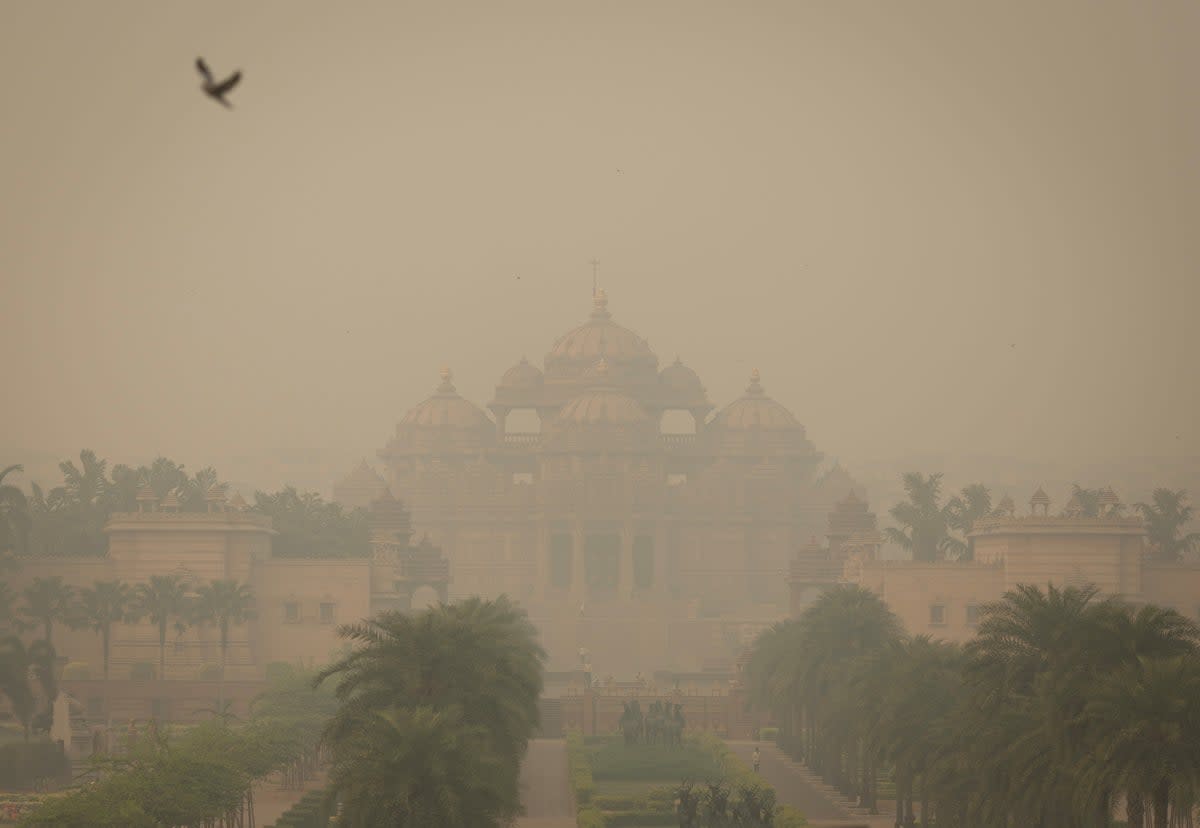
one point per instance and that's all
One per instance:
(755, 386)
(600, 305)
(447, 376)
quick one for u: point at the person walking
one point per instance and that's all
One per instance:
(756, 758)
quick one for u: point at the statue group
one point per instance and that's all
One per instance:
(662, 724)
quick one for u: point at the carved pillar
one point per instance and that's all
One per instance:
(625, 566)
(578, 572)
(541, 554)
(660, 558)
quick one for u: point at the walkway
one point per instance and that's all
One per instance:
(545, 789)
(271, 801)
(794, 785)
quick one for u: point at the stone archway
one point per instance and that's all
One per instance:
(424, 597)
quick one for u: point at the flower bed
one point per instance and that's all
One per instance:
(14, 807)
(617, 786)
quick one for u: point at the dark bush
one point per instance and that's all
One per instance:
(23, 764)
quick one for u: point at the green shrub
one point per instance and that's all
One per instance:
(309, 812)
(209, 672)
(788, 817)
(589, 818)
(579, 770)
(768, 734)
(77, 671)
(142, 671)
(23, 764)
(640, 819)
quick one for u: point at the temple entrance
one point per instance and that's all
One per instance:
(424, 597)
(602, 563)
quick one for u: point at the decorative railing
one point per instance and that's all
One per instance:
(989, 524)
(677, 441)
(227, 516)
(521, 438)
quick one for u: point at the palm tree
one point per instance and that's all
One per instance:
(963, 510)
(102, 605)
(48, 600)
(8, 605)
(1148, 729)
(225, 603)
(1165, 518)
(421, 767)
(20, 668)
(924, 521)
(194, 490)
(477, 657)
(161, 600)
(813, 659)
(14, 516)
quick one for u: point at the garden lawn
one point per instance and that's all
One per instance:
(611, 760)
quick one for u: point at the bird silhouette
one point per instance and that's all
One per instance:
(215, 90)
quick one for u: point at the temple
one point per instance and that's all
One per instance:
(656, 543)
(1106, 549)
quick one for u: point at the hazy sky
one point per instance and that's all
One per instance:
(932, 226)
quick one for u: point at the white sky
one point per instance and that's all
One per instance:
(932, 226)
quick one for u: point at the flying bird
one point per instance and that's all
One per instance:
(215, 90)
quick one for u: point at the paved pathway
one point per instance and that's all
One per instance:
(795, 786)
(271, 801)
(545, 791)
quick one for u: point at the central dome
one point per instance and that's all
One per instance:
(600, 337)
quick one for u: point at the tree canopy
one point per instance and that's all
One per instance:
(1063, 705)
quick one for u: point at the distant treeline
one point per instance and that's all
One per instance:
(68, 519)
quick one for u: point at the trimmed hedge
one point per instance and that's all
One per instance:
(579, 770)
(640, 819)
(309, 812)
(788, 817)
(589, 818)
(656, 799)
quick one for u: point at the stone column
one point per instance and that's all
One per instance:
(578, 575)
(660, 558)
(625, 565)
(541, 562)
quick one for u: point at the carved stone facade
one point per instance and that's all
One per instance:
(298, 602)
(1069, 548)
(595, 511)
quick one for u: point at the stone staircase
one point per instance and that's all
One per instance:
(832, 794)
(551, 718)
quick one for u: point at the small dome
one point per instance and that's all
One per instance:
(446, 409)
(1040, 498)
(363, 476)
(237, 502)
(146, 493)
(215, 493)
(600, 336)
(522, 375)
(171, 501)
(756, 410)
(678, 377)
